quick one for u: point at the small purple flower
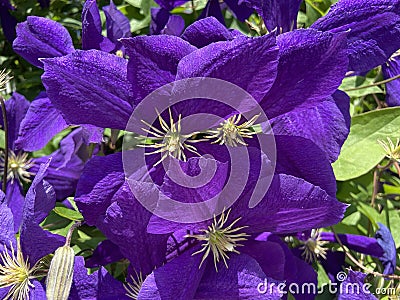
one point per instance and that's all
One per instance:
(391, 69)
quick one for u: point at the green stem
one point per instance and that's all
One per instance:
(309, 2)
(4, 112)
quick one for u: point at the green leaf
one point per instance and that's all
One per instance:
(2, 139)
(357, 81)
(390, 189)
(67, 213)
(361, 152)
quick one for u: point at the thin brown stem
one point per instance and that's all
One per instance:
(70, 232)
(360, 265)
(4, 113)
(373, 84)
(396, 165)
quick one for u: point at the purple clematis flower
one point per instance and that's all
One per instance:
(162, 22)
(32, 245)
(64, 168)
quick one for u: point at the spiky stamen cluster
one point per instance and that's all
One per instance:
(220, 239)
(394, 56)
(4, 79)
(169, 141)
(313, 247)
(18, 166)
(392, 150)
(15, 272)
(231, 133)
(133, 289)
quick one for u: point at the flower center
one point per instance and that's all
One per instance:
(219, 239)
(18, 166)
(392, 149)
(133, 289)
(231, 133)
(313, 247)
(169, 141)
(15, 272)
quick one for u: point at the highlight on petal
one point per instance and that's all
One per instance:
(93, 83)
(39, 37)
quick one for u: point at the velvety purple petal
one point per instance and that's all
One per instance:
(385, 240)
(170, 4)
(359, 243)
(37, 292)
(91, 29)
(41, 123)
(333, 264)
(15, 201)
(240, 9)
(92, 83)
(174, 26)
(213, 9)
(16, 108)
(7, 232)
(327, 125)
(125, 224)
(177, 279)
(277, 14)
(100, 180)
(373, 30)
(243, 279)
(311, 67)
(105, 253)
(392, 69)
(226, 60)
(39, 37)
(353, 287)
(159, 18)
(98, 285)
(206, 31)
(291, 161)
(40, 199)
(66, 165)
(290, 205)
(153, 61)
(8, 22)
(118, 25)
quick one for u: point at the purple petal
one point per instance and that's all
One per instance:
(98, 285)
(385, 240)
(311, 67)
(277, 14)
(153, 61)
(159, 18)
(226, 60)
(170, 4)
(240, 9)
(7, 232)
(105, 253)
(100, 180)
(353, 288)
(118, 25)
(174, 26)
(125, 224)
(244, 279)
(291, 161)
(15, 201)
(8, 21)
(92, 83)
(373, 30)
(206, 31)
(333, 264)
(91, 29)
(359, 243)
(392, 69)
(290, 205)
(37, 292)
(40, 199)
(16, 108)
(328, 123)
(41, 123)
(177, 279)
(213, 9)
(39, 37)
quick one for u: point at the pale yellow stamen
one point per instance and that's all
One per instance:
(133, 289)
(231, 133)
(4, 79)
(18, 166)
(15, 272)
(220, 239)
(392, 150)
(313, 247)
